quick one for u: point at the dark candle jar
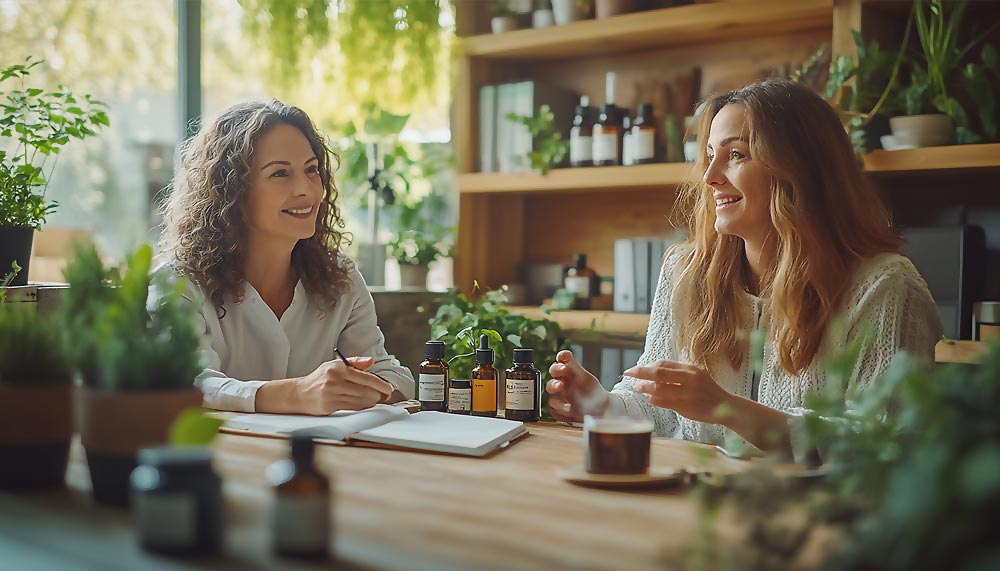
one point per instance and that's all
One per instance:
(177, 500)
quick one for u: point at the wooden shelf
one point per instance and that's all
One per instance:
(934, 159)
(952, 158)
(682, 25)
(635, 325)
(631, 324)
(658, 175)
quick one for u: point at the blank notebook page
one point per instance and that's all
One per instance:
(445, 432)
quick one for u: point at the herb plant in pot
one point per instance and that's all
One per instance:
(136, 358)
(35, 124)
(414, 251)
(36, 422)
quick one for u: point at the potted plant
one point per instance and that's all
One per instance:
(34, 127)
(136, 359)
(414, 252)
(421, 233)
(932, 115)
(503, 17)
(36, 422)
(567, 11)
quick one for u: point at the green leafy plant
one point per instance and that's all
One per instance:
(912, 464)
(15, 269)
(31, 347)
(413, 248)
(549, 146)
(461, 319)
(937, 71)
(34, 127)
(194, 427)
(121, 339)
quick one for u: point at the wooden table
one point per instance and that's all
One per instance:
(395, 510)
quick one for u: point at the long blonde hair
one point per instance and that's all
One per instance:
(205, 224)
(826, 217)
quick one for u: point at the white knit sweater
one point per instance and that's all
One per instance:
(886, 291)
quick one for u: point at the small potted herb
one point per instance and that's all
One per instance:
(504, 19)
(136, 358)
(35, 124)
(36, 422)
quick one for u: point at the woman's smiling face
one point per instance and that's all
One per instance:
(740, 186)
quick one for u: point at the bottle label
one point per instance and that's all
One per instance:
(642, 144)
(167, 520)
(431, 388)
(460, 400)
(301, 524)
(580, 149)
(606, 147)
(521, 394)
(580, 285)
(484, 395)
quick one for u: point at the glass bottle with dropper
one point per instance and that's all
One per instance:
(485, 389)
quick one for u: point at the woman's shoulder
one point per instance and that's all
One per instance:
(890, 271)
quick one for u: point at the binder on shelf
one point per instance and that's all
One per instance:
(488, 128)
(624, 276)
(611, 367)
(641, 248)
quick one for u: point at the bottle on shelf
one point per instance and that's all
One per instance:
(523, 388)
(608, 130)
(432, 385)
(485, 389)
(642, 136)
(460, 396)
(581, 135)
(301, 516)
(626, 139)
(579, 280)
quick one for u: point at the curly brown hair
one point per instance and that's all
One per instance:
(205, 221)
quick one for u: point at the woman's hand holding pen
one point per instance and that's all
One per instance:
(334, 385)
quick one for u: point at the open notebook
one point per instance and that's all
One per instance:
(394, 426)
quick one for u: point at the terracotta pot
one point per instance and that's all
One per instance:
(114, 425)
(36, 426)
(413, 275)
(609, 8)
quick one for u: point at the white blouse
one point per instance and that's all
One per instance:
(249, 345)
(886, 292)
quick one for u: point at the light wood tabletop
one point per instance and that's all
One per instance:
(397, 510)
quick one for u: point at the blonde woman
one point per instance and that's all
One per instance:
(253, 223)
(787, 237)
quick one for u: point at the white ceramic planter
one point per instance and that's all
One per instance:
(913, 131)
(566, 11)
(542, 19)
(502, 24)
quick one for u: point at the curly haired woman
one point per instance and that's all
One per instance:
(253, 223)
(787, 238)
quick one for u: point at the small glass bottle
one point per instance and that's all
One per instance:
(460, 396)
(432, 387)
(578, 280)
(581, 135)
(177, 500)
(626, 138)
(642, 138)
(523, 388)
(608, 129)
(485, 391)
(301, 517)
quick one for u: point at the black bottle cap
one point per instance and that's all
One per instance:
(484, 355)
(524, 356)
(435, 349)
(303, 448)
(579, 261)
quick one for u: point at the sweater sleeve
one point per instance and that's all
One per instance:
(361, 337)
(660, 345)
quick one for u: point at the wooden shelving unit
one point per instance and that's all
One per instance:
(635, 325)
(667, 27)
